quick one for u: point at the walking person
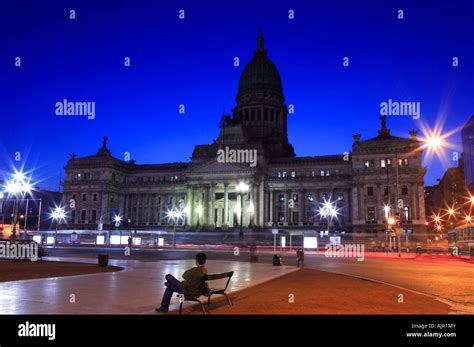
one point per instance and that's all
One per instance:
(300, 257)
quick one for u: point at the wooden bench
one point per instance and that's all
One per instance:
(212, 291)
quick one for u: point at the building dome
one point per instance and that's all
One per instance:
(260, 74)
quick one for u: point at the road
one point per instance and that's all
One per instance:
(450, 280)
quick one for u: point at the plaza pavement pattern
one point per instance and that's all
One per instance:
(137, 289)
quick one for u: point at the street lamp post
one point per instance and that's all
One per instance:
(17, 187)
(433, 142)
(328, 211)
(117, 222)
(241, 189)
(174, 215)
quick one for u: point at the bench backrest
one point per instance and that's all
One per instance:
(214, 277)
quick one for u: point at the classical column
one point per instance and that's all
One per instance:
(124, 206)
(355, 206)
(150, 209)
(379, 207)
(287, 206)
(226, 205)
(270, 208)
(189, 205)
(252, 200)
(302, 218)
(212, 205)
(200, 198)
(261, 204)
(137, 206)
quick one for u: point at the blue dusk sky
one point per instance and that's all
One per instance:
(191, 62)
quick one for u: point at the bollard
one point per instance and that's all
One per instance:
(103, 260)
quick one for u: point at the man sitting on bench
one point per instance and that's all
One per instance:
(192, 285)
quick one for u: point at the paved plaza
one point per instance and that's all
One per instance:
(137, 289)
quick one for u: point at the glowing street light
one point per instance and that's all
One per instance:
(117, 220)
(58, 215)
(242, 188)
(328, 211)
(18, 186)
(434, 142)
(391, 221)
(175, 215)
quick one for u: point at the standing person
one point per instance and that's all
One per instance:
(192, 286)
(300, 257)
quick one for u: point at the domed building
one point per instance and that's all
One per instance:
(252, 147)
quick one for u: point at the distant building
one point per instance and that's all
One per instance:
(451, 191)
(284, 189)
(467, 135)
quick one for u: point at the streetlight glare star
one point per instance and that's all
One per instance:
(117, 219)
(435, 141)
(18, 184)
(242, 187)
(58, 214)
(328, 209)
(174, 214)
(19, 176)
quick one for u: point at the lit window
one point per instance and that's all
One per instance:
(371, 213)
(406, 213)
(368, 164)
(293, 173)
(403, 162)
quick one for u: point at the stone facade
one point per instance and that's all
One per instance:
(283, 189)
